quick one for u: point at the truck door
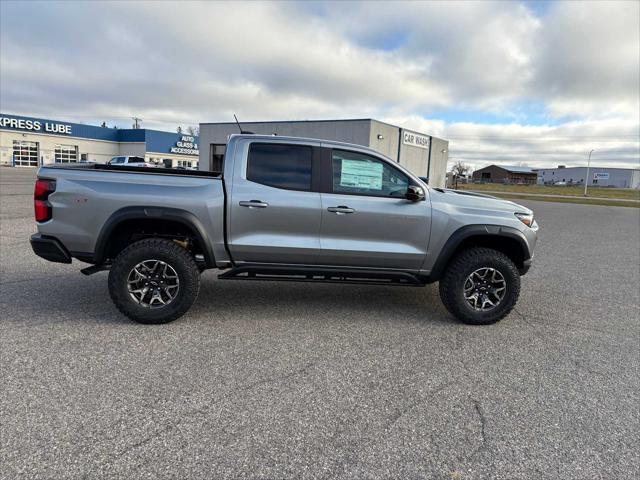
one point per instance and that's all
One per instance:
(366, 219)
(274, 211)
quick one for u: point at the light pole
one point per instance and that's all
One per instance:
(586, 180)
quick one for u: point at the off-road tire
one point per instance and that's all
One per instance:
(460, 267)
(167, 251)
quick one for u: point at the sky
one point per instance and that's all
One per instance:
(511, 83)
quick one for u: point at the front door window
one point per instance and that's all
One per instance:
(360, 174)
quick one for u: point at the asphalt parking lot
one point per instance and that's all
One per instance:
(276, 380)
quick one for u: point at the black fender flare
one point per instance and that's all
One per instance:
(463, 233)
(187, 219)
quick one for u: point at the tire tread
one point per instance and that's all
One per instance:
(456, 273)
(158, 246)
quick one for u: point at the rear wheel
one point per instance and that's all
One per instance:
(480, 286)
(154, 281)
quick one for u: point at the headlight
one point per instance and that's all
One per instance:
(526, 218)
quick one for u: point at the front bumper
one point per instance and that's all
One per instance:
(50, 249)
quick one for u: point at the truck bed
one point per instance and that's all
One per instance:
(124, 168)
(88, 198)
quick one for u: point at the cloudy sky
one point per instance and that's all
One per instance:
(535, 83)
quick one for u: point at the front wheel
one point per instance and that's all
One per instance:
(481, 286)
(154, 281)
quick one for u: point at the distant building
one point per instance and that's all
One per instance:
(423, 154)
(32, 142)
(505, 174)
(598, 176)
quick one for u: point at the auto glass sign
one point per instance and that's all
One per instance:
(415, 140)
(34, 125)
(186, 146)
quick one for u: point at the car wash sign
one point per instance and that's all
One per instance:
(415, 139)
(33, 125)
(186, 145)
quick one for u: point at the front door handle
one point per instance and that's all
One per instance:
(254, 204)
(340, 210)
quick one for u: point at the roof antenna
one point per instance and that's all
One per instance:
(238, 123)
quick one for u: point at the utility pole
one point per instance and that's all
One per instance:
(136, 125)
(586, 180)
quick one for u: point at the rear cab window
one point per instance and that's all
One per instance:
(281, 166)
(357, 173)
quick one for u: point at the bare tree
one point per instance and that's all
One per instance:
(193, 131)
(179, 129)
(459, 169)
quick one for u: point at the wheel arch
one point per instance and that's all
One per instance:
(131, 218)
(507, 240)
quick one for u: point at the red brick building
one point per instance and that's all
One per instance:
(506, 174)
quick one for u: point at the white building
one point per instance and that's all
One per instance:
(598, 176)
(30, 142)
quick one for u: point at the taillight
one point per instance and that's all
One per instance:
(41, 192)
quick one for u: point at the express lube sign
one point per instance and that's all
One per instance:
(39, 126)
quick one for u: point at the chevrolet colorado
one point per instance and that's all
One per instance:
(282, 208)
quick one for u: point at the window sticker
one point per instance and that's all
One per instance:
(361, 174)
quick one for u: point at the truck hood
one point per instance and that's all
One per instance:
(476, 200)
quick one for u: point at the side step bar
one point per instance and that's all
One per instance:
(321, 274)
(95, 269)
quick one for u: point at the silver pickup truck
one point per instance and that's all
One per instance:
(282, 208)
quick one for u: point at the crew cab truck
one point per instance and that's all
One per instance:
(282, 208)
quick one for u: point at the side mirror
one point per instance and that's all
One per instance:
(414, 193)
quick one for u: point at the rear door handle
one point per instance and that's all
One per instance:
(340, 210)
(254, 204)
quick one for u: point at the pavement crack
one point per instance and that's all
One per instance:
(393, 419)
(145, 440)
(583, 366)
(483, 421)
(203, 409)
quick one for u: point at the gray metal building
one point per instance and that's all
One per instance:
(598, 176)
(423, 154)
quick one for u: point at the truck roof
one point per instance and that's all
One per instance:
(287, 138)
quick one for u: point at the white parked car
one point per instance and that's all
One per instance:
(128, 161)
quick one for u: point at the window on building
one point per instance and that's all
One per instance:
(66, 154)
(361, 174)
(83, 157)
(280, 166)
(185, 163)
(25, 154)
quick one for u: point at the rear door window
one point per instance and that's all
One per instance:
(280, 166)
